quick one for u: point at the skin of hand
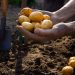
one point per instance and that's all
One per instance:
(67, 11)
(58, 30)
(63, 14)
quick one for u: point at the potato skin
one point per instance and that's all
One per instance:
(72, 63)
(46, 17)
(26, 11)
(67, 70)
(46, 24)
(23, 18)
(36, 16)
(28, 26)
(72, 58)
(37, 25)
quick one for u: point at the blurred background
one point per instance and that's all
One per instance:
(51, 5)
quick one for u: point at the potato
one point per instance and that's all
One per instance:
(37, 25)
(46, 17)
(26, 11)
(28, 26)
(72, 58)
(46, 24)
(23, 18)
(67, 70)
(32, 20)
(36, 16)
(72, 63)
(34, 23)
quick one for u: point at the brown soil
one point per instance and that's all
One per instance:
(34, 58)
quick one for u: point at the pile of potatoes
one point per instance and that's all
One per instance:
(68, 70)
(30, 19)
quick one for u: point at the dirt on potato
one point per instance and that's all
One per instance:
(34, 58)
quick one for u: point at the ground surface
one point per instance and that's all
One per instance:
(34, 58)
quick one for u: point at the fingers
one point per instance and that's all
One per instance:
(57, 31)
(52, 34)
(31, 35)
(60, 30)
(44, 32)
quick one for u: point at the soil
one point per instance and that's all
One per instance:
(32, 58)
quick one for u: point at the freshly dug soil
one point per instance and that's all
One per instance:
(32, 58)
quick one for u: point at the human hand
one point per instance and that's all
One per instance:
(58, 30)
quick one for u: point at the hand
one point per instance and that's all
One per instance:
(30, 35)
(58, 30)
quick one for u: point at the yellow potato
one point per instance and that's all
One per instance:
(23, 18)
(37, 25)
(72, 58)
(67, 70)
(26, 11)
(46, 17)
(72, 63)
(36, 16)
(33, 23)
(28, 26)
(46, 24)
